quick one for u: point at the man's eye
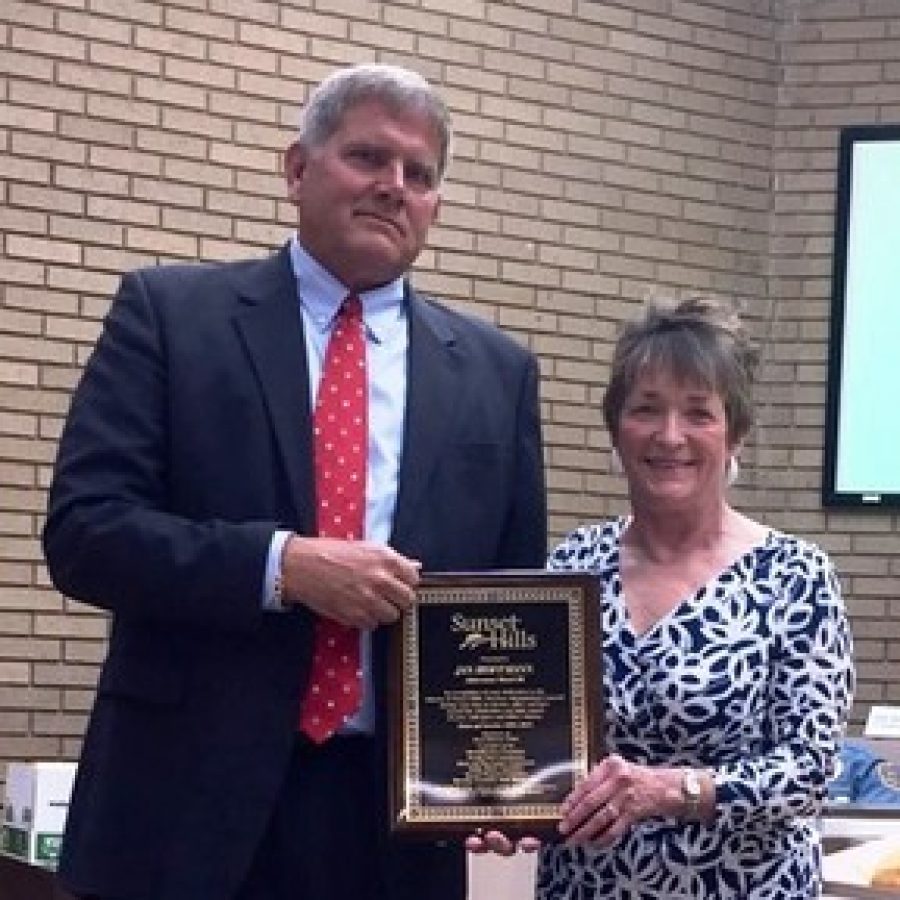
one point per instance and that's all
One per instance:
(420, 175)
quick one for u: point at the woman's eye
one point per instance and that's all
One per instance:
(364, 154)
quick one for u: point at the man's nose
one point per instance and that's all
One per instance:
(392, 177)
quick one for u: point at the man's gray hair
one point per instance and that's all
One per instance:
(401, 90)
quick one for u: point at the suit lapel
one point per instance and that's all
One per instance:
(271, 328)
(432, 378)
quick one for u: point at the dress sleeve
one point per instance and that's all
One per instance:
(811, 682)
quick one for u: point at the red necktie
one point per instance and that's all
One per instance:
(340, 451)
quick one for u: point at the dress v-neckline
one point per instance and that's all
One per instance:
(688, 600)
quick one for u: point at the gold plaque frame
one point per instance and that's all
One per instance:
(496, 701)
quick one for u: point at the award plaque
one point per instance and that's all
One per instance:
(495, 702)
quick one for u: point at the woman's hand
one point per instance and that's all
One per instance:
(615, 795)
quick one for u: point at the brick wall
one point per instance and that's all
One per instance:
(604, 151)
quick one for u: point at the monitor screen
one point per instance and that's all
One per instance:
(862, 430)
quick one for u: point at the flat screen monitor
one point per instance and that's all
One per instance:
(862, 427)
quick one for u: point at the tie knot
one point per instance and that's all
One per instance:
(351, 308)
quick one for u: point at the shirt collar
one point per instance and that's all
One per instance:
(321, 295)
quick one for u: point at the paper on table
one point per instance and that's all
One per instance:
(855, 866)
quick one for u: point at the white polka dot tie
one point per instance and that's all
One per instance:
(340, 443)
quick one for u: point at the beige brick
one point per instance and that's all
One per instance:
(169, 42)
(14, 673)
(39, 146)
(99, 28)
(166, 93)
(48, 43)
(443, 285)
(411, 19)
(467, 264)
(131, 10)
(205, 74)
(46, 97)
(479, 33)
(161, 144)
(200, 23)
(59, 724)
(243, 56)
(258, 10)
(30, 747)
(240, 106)
(211, 249)
(83, 278)
(22, 220)
(24, 169)
(92, 78)
(260, 184)
(125, 211)
(569, 213)
(244, 157)
(81, 626)
(463, 57)
(63, 675)
(174, 194)
(243, 205)
(22, 425)
(197, 173)
(591, 238)
(95, 131)
(264, 234)
(19, 322)
(23, 13)
(154, 241)
(26, 501)
(17, 372)
(196, 222)
(42, 248)
(104, 107)
(84, 652)
(513, 110)
(19, 64)
(26, 117)
(81, 330)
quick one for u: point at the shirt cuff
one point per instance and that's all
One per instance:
(271, 592)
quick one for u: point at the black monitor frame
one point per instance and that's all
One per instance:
(833, 493)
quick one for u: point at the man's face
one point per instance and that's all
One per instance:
(367, 196)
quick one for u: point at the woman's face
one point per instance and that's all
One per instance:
(674, 441)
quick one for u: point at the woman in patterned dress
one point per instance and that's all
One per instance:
(727, 655)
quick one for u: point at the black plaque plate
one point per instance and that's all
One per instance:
(495, 702)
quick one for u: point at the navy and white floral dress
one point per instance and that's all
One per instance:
(751, 677)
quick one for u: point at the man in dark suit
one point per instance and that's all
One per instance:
(186, 502)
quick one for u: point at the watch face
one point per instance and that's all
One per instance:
(691, 784)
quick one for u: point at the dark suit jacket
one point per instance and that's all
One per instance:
(187, 444)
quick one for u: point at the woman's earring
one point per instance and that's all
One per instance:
(733, 471)
(615, 462)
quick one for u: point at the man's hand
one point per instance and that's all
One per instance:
(357, 583)
(497, 842)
